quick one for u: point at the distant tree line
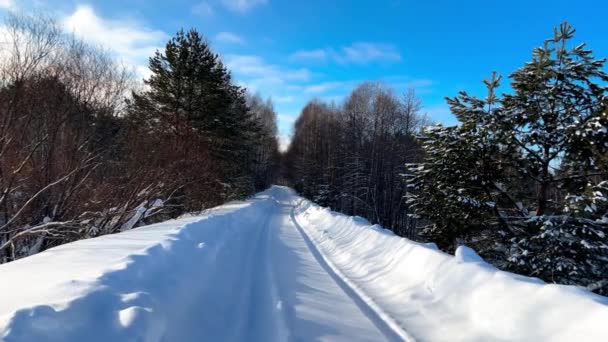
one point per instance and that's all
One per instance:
(522, 179)
(85, 151)
(351, 157)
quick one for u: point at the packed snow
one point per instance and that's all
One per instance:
(275, 268)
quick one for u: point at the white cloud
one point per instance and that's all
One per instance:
(242, 6)
(229, 37)
(203, 9)
(401, 83)
(254, 68)
(322, 87)
(7, 4)
(130, 40)
(368, 52)
(317, 54)
(284, 84)
(356, 53)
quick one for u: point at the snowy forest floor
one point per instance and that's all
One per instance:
(279, 268)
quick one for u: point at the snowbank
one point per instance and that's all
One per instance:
(140, 285)
(438, 297)
(209, 277)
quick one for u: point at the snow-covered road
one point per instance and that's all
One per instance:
(274, 286)
(279, 268)
(294, 294)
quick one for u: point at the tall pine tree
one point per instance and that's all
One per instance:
(190, 99)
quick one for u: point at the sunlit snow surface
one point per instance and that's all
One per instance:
(279, 268)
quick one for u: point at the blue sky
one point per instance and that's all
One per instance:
(294, 50)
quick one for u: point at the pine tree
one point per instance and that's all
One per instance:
(536, 159)
(555, 96)
(191, 101)
(458, 186)
(554, 124)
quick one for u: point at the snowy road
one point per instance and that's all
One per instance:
(302, 294)
(289, 292)
(279, 268)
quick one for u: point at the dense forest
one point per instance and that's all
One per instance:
(351, 157)
(86, 149)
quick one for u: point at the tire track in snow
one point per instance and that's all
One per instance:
(382, 320)
(263, 322)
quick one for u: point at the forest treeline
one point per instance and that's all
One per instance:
(521, 179)
(351, 157)
(85, 150)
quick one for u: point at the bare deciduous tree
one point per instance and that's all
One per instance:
(351, 157)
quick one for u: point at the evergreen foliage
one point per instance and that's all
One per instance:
(521, 179)
(191, 102)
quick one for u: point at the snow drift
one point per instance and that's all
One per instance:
(439, 297)
(194, 278)
(140, 285)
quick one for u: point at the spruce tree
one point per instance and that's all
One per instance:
(190, 95)
(544, 149)
(555, 96)
(555, 123)
(456, 189)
